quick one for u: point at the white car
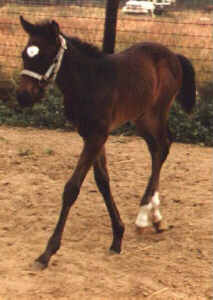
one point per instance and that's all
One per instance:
(146, 6)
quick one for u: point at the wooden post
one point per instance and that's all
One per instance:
(110, 26)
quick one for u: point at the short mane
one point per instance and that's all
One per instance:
(88, 49)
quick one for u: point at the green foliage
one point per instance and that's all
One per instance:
(197, 128)
(48, 114)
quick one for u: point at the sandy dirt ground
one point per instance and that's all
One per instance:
(174, 265)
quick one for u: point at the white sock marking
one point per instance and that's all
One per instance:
(149, 213)
(143, 218)
(157, 217)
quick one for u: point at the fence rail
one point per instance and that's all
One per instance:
(187, 31)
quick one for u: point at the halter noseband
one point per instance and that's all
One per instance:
(52, 71)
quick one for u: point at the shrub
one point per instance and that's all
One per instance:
(48, 114)
(195, 129)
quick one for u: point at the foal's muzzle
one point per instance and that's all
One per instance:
(24, 99)
(29, 91)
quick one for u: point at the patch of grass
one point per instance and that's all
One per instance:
(3, 139)
(25, 152)
(49, 151)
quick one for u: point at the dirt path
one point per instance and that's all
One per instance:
(34, 165)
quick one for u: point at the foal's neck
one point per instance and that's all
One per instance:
(82, 66)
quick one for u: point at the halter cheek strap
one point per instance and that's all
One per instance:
(52, 71)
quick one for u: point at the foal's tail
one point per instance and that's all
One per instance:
(187, 93)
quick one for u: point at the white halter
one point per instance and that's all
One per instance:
(52, 71)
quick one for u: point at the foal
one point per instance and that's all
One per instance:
(102, 92)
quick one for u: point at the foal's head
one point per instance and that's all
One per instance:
(39, 60)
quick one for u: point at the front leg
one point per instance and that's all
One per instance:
(91, 149)
(102, 181)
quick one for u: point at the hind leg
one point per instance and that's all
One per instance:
(158, 139)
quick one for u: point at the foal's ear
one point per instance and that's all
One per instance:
(28, 27)
(55, 28)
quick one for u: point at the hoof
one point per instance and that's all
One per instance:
(113, 252)
(161, 226)
(41, 262)
(115, 249)
(142, 230)
(38, 266)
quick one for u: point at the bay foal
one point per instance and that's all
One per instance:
(102, 92)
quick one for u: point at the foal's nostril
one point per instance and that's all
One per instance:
(24, 98)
